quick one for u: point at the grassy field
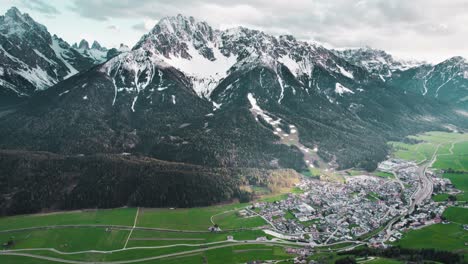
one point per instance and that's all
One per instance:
(383, 261)
(243, 254)
(457, 215)
(231, 220)
(451, 154)
(68, 239)
(428, 145)
(384, 174)
(73, 239)
(230, 254)
(440, 197)
(121, 216)
(449, 237)
(156, 238)
(457, 161)
(191, 218)
(460, 181)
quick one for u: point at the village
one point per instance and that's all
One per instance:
(358, 209)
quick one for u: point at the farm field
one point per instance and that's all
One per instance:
(457, 215)
(449, 237)
(231, 220)
(84, 235)
(384, 174)
(460, 181)
(228, 254)
(457, 160)
(196, 219)
(120, 216)
(383, 261)
(68, 239)
(142, 238)
(449, 156)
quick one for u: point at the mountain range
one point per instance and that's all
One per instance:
(187, 93)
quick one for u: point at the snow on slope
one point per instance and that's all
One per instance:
(345, 72)
(38, 77)
(204, 73)
(340, 89)
(60, 53)
(257, 111)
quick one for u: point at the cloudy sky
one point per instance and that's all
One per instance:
(432, 30)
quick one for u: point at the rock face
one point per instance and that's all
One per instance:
(31, 59)
(96, 52)
(184, 93)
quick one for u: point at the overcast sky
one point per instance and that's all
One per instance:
(432, 30)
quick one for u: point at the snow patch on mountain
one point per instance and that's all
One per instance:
(38, 77)
(61, 54)
(297, 68)
(257, 111)
(340, 89)
(205, 73)
(344, 72)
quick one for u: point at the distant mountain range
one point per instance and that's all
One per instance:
(446, 81)
(31, 59)
(236, 98)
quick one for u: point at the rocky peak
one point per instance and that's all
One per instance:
(84, 45)
(174, 35)
(123, 48)
(98, 46)
(455, 60)
(18, 24)
(376, 61)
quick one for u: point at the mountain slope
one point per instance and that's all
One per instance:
(182, 94)
(446, 81)
(31, 59)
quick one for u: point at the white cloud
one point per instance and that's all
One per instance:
(429, 29)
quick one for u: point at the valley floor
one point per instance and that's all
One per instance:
(317, 220)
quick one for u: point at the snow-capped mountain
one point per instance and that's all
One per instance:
(446, 81)
(207, 55)
(377, 62)
(31, 59)
(225, 98)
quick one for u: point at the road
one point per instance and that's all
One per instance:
(123, 228)
(425, 186)
(54, 259)
(423, 191)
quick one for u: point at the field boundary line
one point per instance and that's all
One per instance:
(134, 225)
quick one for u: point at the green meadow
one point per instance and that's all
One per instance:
(449, 156)
(449, 237)
(460, 181)
(228, 254)
(198, 219)
(120, 216)
(68, 239)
